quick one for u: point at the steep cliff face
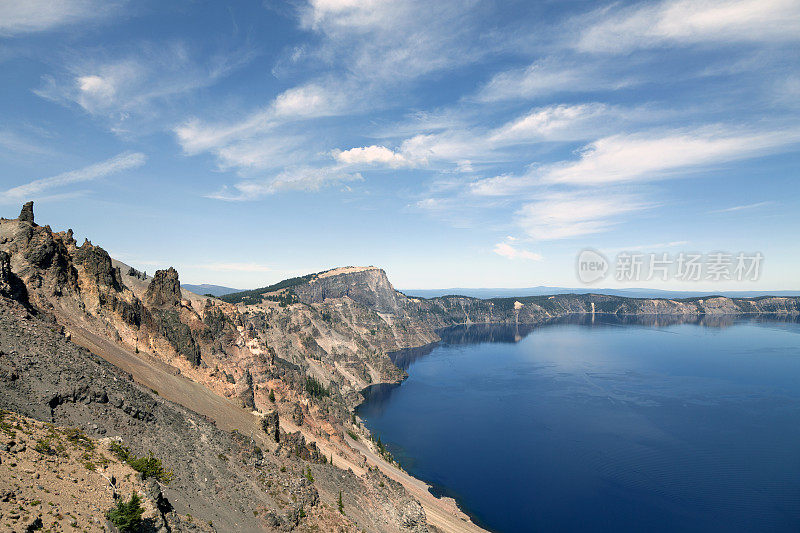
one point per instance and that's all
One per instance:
(260, 358)
(367, 286)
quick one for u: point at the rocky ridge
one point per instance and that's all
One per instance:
(222, 478)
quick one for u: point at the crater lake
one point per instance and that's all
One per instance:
(604, 424)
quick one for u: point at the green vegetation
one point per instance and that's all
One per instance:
(148, 466)
(284, 298)
(127, 516)
(254, 296)
(5, 427)
(272, 396)
(386, 454)
(78, 438)
(309, 475)
(315, 388)
(44, 446)
(353, 434)
(340, 504)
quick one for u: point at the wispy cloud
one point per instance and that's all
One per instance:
(28, 16)
(644, 156)
(553, 75)
(682, 22)
(295, 179)
(742, 207)
(36, 188)
(566, 215)
(379, 40)
(130, 88)
(621, 158)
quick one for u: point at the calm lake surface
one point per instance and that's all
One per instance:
(604, 425)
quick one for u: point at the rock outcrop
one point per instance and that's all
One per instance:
(164, 289)
(26, 215)
(367, 286)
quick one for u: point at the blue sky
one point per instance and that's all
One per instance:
(455, 144)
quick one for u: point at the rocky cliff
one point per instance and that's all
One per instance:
(367, 286)
(58, 298)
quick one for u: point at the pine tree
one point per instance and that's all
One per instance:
(127, 516)
(340, 504)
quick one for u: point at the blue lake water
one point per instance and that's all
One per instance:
(604, 425)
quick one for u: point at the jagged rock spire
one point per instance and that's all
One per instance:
(164, 289)
(26, 215)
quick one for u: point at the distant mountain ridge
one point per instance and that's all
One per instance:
(486, 293)
(205, 288)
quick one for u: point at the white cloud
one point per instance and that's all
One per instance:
(371, 155)
(506, 250)
(643, 156)
(26, 16)
(388, 41)
(550, 76)
(310, 100)
(119, 163)
(556, 122)
(621, 158)
(306, 179)
(234, 142)
(690, 21)
(195, 137)
(566, 215)
(263, 152)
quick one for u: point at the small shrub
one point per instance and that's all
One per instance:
(43, 447)
(352, 434)
(148, 466)
(272, 396)
(77, 438)
(309, 475)
(151, 467)
(120, 451)
(127, 516)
